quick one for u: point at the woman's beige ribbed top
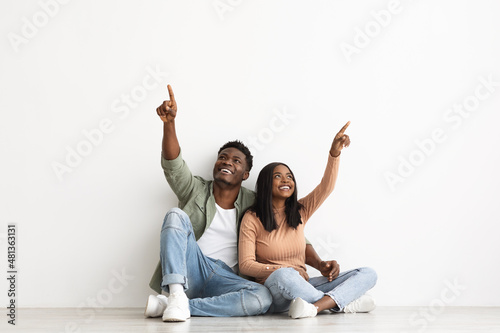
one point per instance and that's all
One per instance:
(262, 252)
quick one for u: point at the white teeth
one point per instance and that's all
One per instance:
(226, 171)
(284, 187)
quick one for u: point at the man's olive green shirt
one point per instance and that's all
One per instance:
(196, 199)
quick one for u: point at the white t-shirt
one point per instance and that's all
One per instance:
(220, 241)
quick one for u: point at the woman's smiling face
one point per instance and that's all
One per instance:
(283, 183)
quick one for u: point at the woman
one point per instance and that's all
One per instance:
(272, 245)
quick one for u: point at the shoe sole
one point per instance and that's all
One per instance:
(147, 312)
(174, 320)
(175, 316)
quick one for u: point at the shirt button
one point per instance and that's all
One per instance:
(267, 267)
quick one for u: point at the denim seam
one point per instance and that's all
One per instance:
(241, 292)
(243, 301)
(283, 290)
(176, 228)
(242, 298)
(207, 280)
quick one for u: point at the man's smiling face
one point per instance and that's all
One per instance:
(230, 167)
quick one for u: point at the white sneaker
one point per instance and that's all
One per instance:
(155, 306)
(301, 309)
(177, 307)
(363, 304)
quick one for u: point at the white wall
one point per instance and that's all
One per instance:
(233, 69)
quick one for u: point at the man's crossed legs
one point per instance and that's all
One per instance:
(212, 287)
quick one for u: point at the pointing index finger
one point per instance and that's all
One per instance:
(171, 93)
(345, 127)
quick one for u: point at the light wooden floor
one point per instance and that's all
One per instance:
(383, 319)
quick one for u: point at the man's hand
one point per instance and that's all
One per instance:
(329, 269)
(168, 110)
(340, 141)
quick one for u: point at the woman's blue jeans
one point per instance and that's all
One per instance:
(286, 284)
(212, 287)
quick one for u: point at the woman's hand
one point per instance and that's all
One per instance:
(340, 141)
(329, 269)
(168, 110)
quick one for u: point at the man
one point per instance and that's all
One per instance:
(198, 249)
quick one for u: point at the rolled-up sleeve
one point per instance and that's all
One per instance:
(178, 176)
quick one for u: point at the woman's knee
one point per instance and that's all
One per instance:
(284, 284)
(281, 274)
(369, 274)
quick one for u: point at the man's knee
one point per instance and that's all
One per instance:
(257, 300)
(176, 218)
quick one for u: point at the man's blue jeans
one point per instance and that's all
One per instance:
(286, 284)
(212, 287)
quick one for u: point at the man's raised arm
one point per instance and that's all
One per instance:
(167, 112)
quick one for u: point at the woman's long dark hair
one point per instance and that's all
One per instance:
(263, 206)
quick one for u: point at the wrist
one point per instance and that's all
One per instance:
(169, 123)
(335, 153)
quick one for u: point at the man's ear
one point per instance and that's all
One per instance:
(246, 174)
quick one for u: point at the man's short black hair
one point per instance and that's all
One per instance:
(241, 147)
